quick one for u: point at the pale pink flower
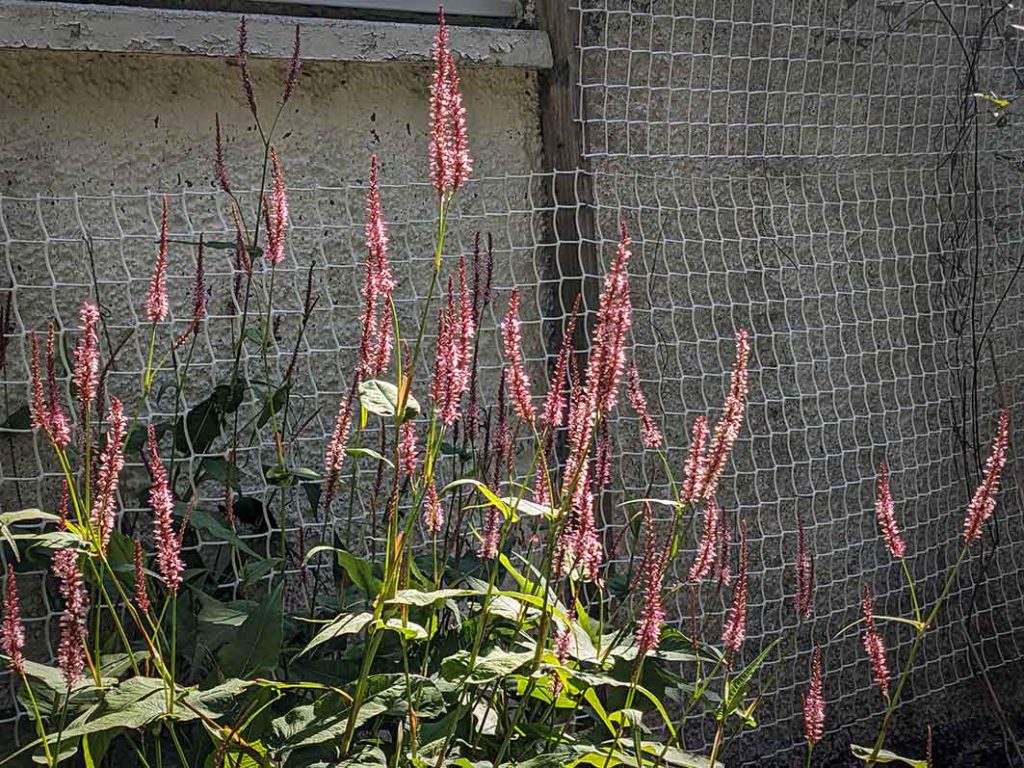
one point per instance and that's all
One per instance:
(603, 457)
(74, 618)
(728, 427)
(275, 212)
(378, 285)
(652, 574)
(734, 632)
(814, 703)
(650, 433)
(452, 362)
(12, 631)
(515, 375)
(723, 542)
(562, 646)
(704, 560)
(433, 510)
(695, 468)
(161, 500)
(874, 645)
(141, 593)
(104, 507)
(40, 409)
(885, 511)
(408, 451)
(614, 317)
(450, 163)
(157, 304)
(804, 572)
(87, 355)
(983, 503)
(578, 548)
(491, 539)
(541, 490)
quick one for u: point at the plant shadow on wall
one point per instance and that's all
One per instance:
(491, 630)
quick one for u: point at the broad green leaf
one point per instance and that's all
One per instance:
(237, 758)
(381, 398)
(418, 598)
(346, 624)
(367, 453)
(368, 757)
(359, 570)
(885, 756)
(497, 664)
(736, 689)
(590, 696)
(410, 630)
(135, 703)
(254, 571)
(205, 523)
(529, 508)
(257, 646)
(273, 405)
(220, 469)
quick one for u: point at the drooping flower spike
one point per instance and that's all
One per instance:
(650, 433)
(735, 630)
(293, 67)
(704, 560)
(516, 378)
(157, 304)
(243, 68)
(983, 503)
(885, 511)
(727, 429)
(874, 645)
(74, 619)
(334, 456)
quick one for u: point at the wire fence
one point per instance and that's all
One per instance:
(798, 169)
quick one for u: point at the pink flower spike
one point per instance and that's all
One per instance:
(814, 703)
(161, 500)
(408, 451)
(59, 424)
(652, 573)
(74, 618)
(695, 468)
(885, 511)
(220, 170)
(650, 433)
(40, 408)
(104, 510)
(87, 352)
(515, 375)
(607, 363)
(727, 429)
(275, 212)
(377, 339)
(450, 163)
(983, 503)
(874, 645)
(141, 594)
(553, 412)
(293, 67)
(157, 304)
(804, 572)
(199, 295)
(433, 510)
(735, 630)
(704, 560)
(12, 631)
(334, 456)
(243, 66)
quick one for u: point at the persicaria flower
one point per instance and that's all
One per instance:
(161, 499)
(377, 338)
(603, 457)
(12, 631)
(723, 542)
(983, 503)
(408, 451)
(735, 630)
(814, 703)
(275, 212)
(728, 427)
(433, 510)
(157, 304)
(453, 361)
(334, 456)
(515, 375)
(650, 433)
(199, 295)
(40, 410)
(243, 66)
(804, 572)
(104, 507)
(219, 168)
(293, 67)
(614, 317)
(578, 549)
(874, 645)
(46, 409)
(885, 511)
(704, 560)
(450, 163)
(491, 538)
(553, 412)
(87, 355)
(74, 619)
(141, 593)
(652, 573)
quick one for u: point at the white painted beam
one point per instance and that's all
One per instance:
(59, 26)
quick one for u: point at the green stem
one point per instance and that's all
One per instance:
(39, 721)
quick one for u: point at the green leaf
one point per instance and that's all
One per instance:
(274, 405)
(346, 624)
(736, 689)
(203, 521)
(237, 758)
(220, 469)
(415, 597)
(885, 756)
(359, 570)
(381, 398)
(257, 646)
(254, 571)
(367, 453)
(529, 508)
(497, 664)
(407, 629)
(19, 419)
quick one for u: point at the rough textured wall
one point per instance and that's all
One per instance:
(802, 170)
(91, 142)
